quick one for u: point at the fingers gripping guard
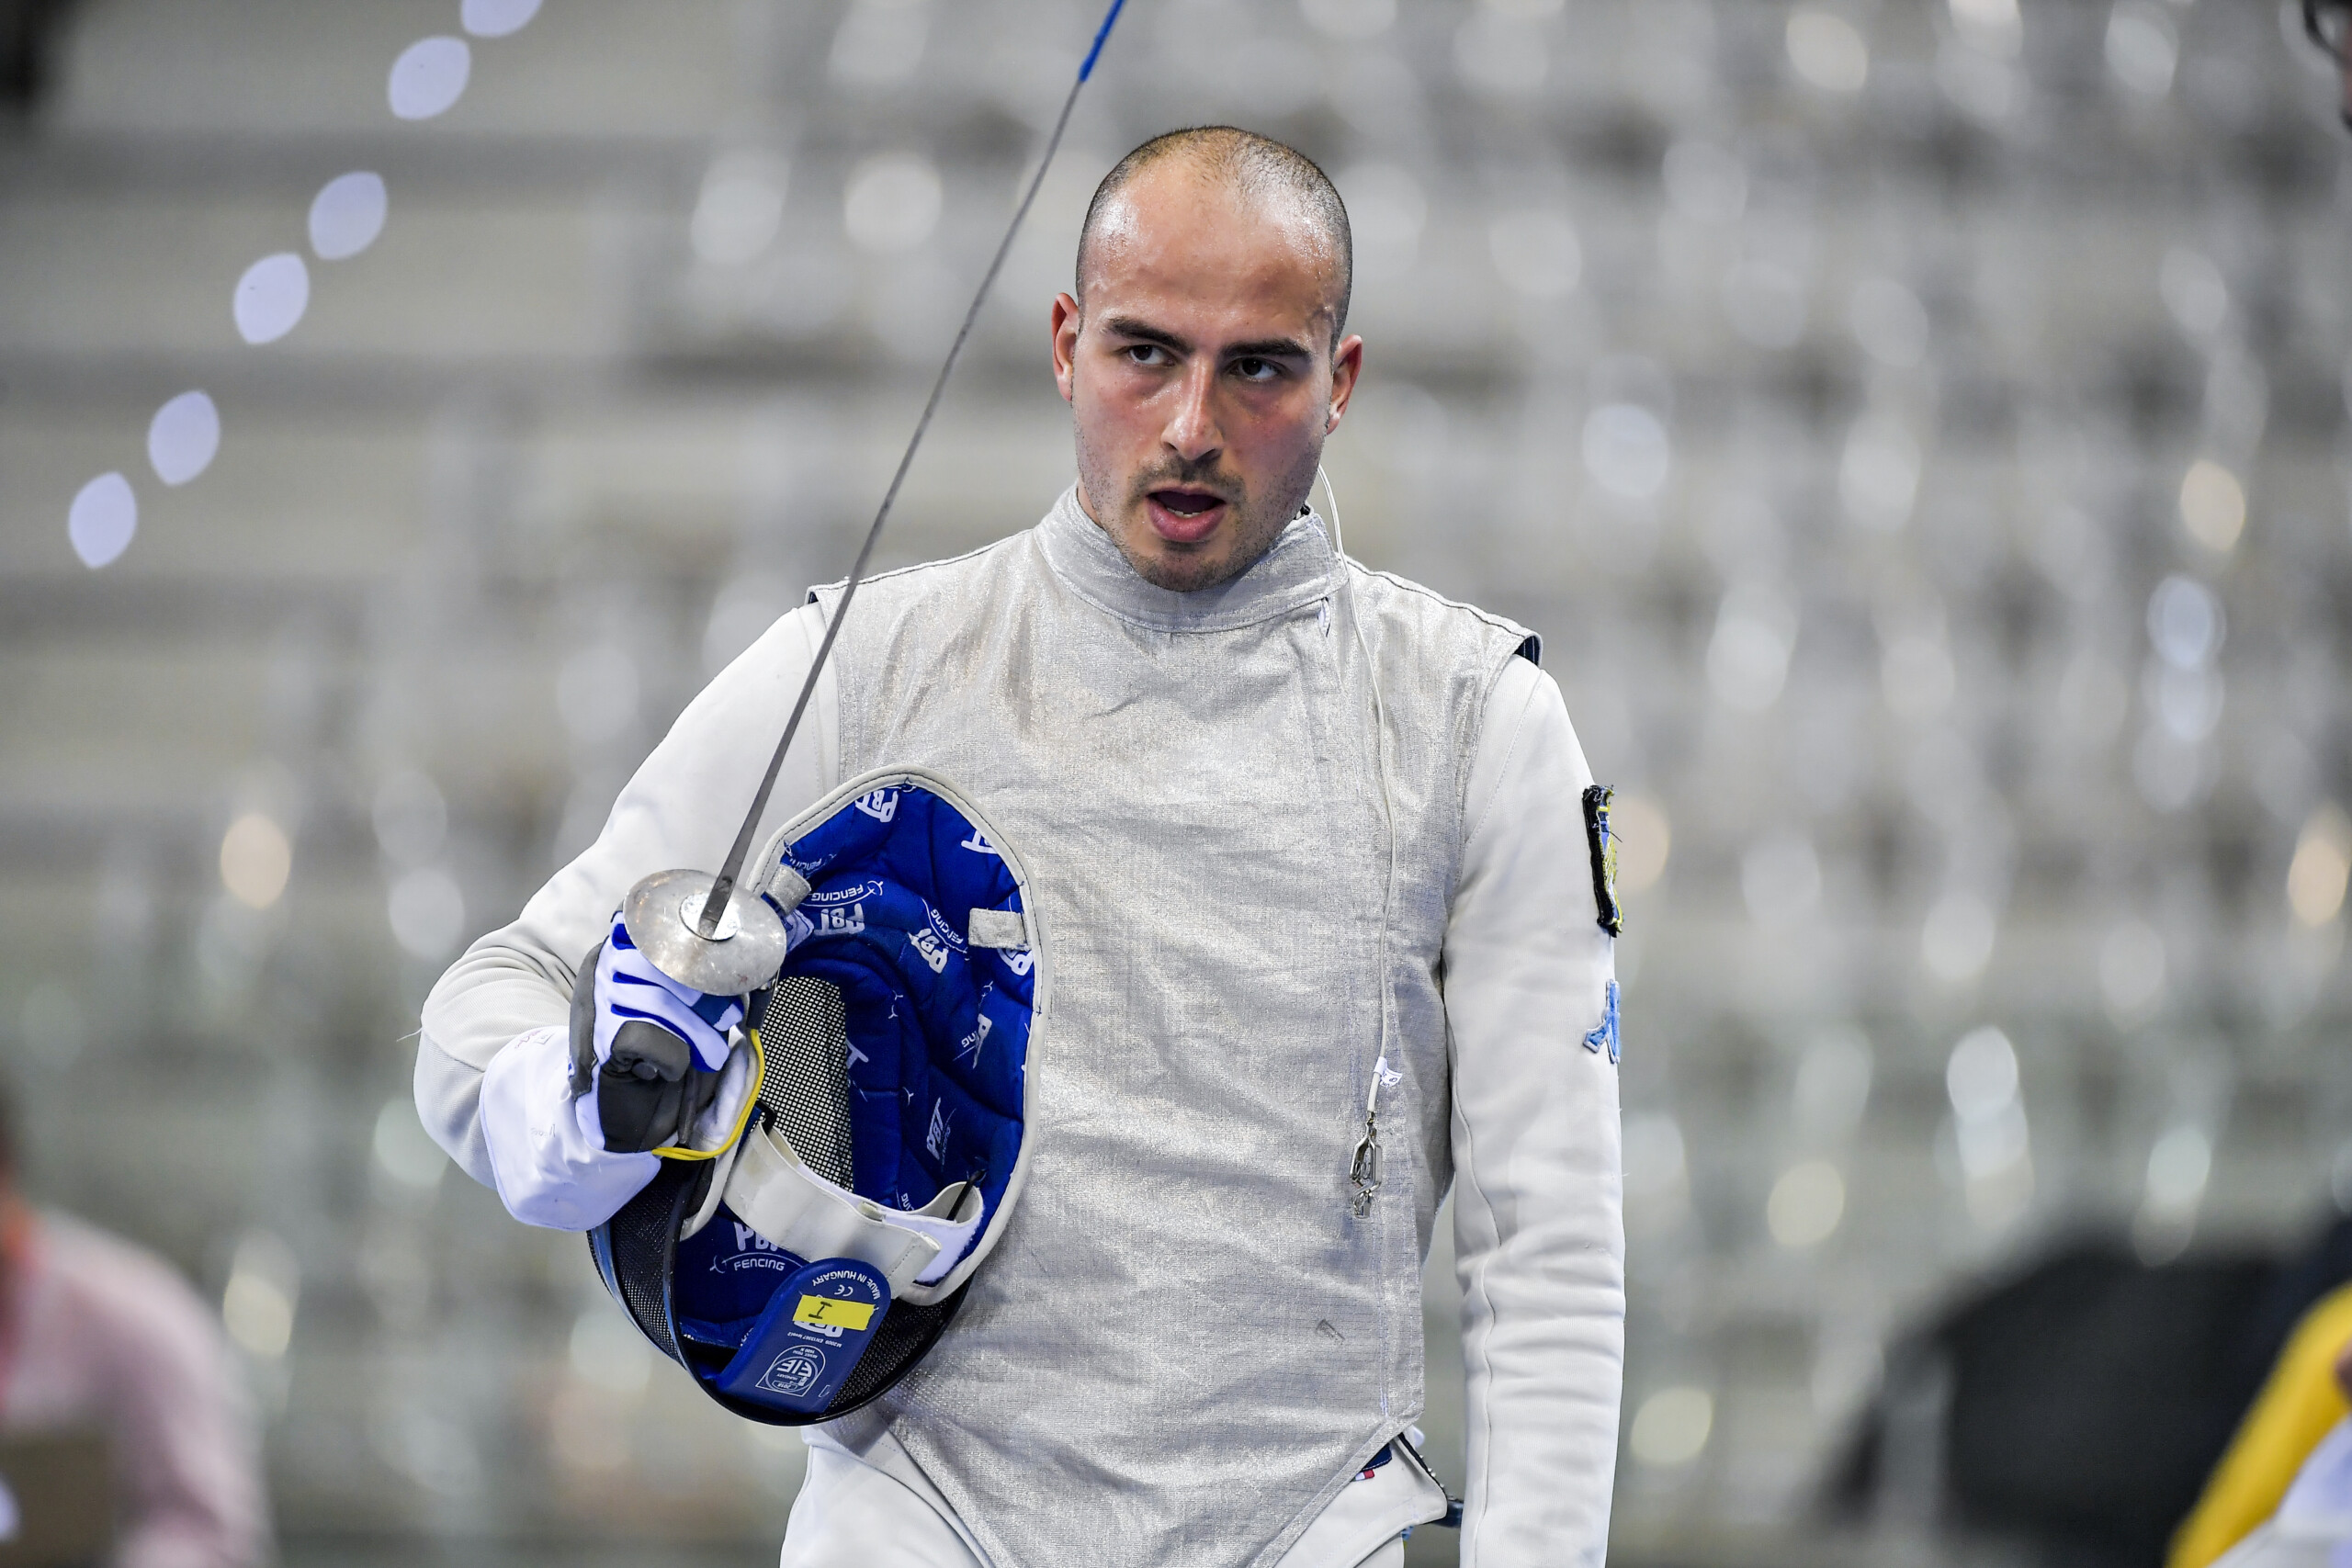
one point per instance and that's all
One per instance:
(650, 1094)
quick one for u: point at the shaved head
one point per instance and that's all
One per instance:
(1205, 358)
(1256, 172)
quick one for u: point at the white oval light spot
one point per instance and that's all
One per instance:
(264, 1287)
(497, 18)
(2212, 505)
(1828, 51)
(1706, 184)
(741, 208)
(183, 437)
(892, 203)
(2142, 48)
(255, 860)
(2178, 1166)
(427, 912)
(1672, 1426)
(1981, 1075)
(2321, 866)
(1878, 477)
(2185, 623)
(1536, 253)
(1748, 658)
(405, 1148)
(104, 516)
(1644, 835)
(347, 214)
(429, 76)
(1956, 940)
(2194, 291)
(271, 297)
(1626, 450)
(1807, 1204)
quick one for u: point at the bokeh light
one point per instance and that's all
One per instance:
(257, 1305)
(347, 215)
(1671, 1426)
(497, 18)
(429, 77)
(741, 208)
(256, 858)
(183, 437)
(1536, 253)
(1807, 1204)
(1828, 51)
(2315, 878)
(100, 523)
(270, 298)
(426, 911)
(892, 203)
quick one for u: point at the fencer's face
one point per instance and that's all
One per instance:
(1201, 373)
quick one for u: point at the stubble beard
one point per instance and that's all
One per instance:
(1256, 523)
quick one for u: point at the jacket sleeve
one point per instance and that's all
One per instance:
(1539, 1236)
(681, 809)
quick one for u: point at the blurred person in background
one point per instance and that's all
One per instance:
(1229, 757)
(109, 1361)
(2306, 1397)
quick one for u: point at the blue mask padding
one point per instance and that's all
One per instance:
(934, 1099)
(723, 1277)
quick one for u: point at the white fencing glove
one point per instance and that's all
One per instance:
(570, 1115)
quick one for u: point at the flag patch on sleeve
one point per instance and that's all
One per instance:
(1603, 842)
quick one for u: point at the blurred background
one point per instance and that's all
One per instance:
(1919, 430)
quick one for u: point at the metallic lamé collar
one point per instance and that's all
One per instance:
(1299, 570)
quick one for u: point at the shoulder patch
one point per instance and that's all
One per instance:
(1604, 843)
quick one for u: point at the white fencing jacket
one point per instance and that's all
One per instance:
(1527, 1109)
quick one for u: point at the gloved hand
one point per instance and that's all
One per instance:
(636, 1037)
(568, 1114)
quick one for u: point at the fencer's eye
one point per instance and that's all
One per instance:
(1145, 354)
(1251, 369)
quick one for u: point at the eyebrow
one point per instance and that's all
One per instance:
(1140, 331)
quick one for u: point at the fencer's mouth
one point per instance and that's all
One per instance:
(1184, 516)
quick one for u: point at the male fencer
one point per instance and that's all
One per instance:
(1319, 864)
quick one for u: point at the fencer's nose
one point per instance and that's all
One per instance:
(1193, 433)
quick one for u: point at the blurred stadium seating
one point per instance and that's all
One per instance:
(1917, 429)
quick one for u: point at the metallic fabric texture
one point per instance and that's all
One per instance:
(1186, 1343)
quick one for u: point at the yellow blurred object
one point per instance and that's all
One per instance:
(2298, 1404)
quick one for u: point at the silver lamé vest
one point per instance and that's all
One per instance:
(1185, 1341)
